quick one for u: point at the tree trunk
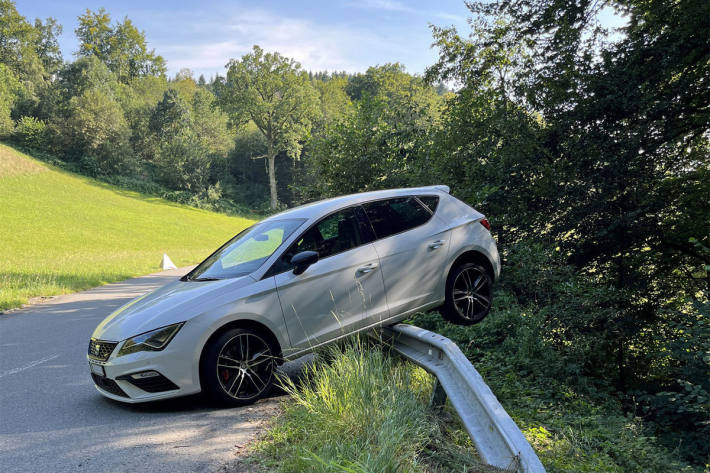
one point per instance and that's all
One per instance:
(272, 177)
(620, 365)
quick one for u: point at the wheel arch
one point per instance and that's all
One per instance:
(473, 256)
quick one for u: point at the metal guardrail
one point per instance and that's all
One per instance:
(497, 438)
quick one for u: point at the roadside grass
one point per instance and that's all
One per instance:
(359, 409)
(61, 232)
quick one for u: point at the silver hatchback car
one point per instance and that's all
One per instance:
(291, 283)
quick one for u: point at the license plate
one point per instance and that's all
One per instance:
(97, 369)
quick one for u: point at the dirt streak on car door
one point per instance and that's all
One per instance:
(332, 297)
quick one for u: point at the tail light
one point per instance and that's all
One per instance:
(485, 223)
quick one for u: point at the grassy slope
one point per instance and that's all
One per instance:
(61, 232)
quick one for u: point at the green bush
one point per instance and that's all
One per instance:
(677, 398)
(31, 133)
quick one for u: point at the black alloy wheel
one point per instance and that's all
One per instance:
(238, 368)
(468, 294)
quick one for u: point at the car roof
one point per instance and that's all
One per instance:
(324, 207)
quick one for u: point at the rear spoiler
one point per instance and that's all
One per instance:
(443, 188)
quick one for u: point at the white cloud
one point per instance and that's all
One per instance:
(390, 5)
(450, 17)
(315, 46)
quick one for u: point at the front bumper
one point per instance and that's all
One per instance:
(135, 400)
(175, 375)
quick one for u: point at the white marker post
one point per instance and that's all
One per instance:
(167, 263)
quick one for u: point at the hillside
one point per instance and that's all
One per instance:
(60, 232)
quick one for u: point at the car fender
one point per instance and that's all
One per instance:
(472, 236)
(262, 307)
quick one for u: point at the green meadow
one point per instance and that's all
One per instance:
(60, 232)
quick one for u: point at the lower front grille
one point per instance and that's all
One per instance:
(153, 384)
(108, 385)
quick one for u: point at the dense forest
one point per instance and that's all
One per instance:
(588, 150)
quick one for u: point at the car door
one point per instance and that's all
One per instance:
(412, 246)
(333, 296)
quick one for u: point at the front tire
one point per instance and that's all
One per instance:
(238, 367)
(469, 290)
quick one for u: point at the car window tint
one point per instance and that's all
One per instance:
(395, 215)
(367, 235)
(431, 201)
(332, 235)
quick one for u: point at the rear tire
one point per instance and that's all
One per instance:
(468, 294)
(238, 367)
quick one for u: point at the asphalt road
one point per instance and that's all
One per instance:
(53, 420)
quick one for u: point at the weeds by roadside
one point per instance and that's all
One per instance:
(358, 409)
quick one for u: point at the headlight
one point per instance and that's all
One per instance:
(155, 340)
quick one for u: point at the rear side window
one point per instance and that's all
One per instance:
(395, 215)
(431, 201)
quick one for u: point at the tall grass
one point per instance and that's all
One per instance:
(60, 232)
(358, 409)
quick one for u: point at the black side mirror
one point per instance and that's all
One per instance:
(303, 260)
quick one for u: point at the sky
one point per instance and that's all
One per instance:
(348, 35)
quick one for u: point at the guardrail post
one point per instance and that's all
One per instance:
(438, 396)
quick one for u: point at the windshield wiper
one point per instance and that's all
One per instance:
(204, 279)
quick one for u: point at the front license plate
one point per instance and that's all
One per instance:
(97, 369)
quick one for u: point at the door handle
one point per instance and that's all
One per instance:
(367, 268)
(437, 244)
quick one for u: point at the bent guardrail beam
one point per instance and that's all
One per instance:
(497, 438)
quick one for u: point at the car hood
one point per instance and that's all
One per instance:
(175, 302)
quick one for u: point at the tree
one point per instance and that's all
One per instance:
(611, 153)
(137, 101)
(180, 161)
(334, 101)
(98, 133)
(211, 124)
(187, 135)
(18, 39)
(31, 53)
(382, 143)
(86, 121)
(10, 90)
(122, 47)
(47, 47)
(271, 91)
(86, 73)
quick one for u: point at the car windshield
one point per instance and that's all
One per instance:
(244, 253)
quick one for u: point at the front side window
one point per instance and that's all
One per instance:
(334, 234)
(395, 215)
(246, 252)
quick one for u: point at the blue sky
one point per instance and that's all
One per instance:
(338, 35)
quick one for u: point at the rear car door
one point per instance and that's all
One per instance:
(334, 295)
(412, 246)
